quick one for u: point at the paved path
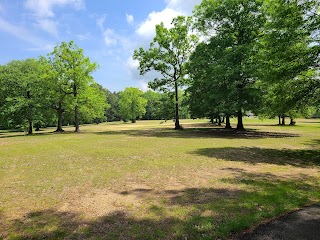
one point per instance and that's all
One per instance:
(300, 225)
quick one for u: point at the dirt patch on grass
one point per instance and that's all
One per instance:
(102, 202)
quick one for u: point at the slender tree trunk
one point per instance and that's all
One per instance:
(283, 120)
(223, 119)
(228, 125)
(30, 114)
(240, 122)
(279, 119)
(76, 110)
(177, 123)
(60, 112)
(292, 122)
(219, 121)
(76, 118)
(30, 127)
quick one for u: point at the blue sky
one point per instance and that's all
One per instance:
(107, 30)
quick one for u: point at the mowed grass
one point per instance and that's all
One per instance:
(147, 181)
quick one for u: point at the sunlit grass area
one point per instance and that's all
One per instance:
(148, 181)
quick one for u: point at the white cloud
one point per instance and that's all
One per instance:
(100, 21)
(132, 64)
(23, 34)
(130, 18)
(86, 36)
(185, 6)
(147, 28)
(49, 26)
(44, 8)
(143, 85)
(110, 38)
(43, 12)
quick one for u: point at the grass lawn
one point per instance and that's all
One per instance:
(147, 181)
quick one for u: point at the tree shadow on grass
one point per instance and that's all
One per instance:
(200, 133)
(254, 155)
(203, 213)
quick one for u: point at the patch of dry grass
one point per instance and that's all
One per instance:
(145, 180)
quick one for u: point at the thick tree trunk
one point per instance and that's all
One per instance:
(228, 125)
(60, 112)
(240, 122)
(279, 119)
(30, 127)
(177, 123)
(283, 120)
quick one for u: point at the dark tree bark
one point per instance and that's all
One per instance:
(177, 123)
(30, 117)
(30, 127)
(223, 119)
(283, 120)
(60, 111)
(219, 121)
(279, 119)
(228, 125)
(240, 122)
(292, 122)
(76, 110)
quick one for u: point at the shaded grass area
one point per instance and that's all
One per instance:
(213, 213)
(147, 181)
(254, 155)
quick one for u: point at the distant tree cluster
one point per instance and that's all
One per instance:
(258, 56)
(53, 90)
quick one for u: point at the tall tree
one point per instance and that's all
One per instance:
(72, 70)
(290, 54)
(22, 90)
(168, 53)
(132, 104)
(232, 28)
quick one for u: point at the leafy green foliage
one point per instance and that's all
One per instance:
(223, 68)
(22, 91)
(168, 53)
(132, 104)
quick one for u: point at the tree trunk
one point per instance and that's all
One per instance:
(60, 112)
(219, 121)
(292, 123)
(30, 127)
(279, 119)
(228, 125)
(76, 110)
(240, 122)
(133, 120)
(76, 118)
(177, 123)
(283, 120)
(222, 119)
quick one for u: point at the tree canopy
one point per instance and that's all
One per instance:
(168, 54)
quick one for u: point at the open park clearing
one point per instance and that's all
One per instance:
(148, 181)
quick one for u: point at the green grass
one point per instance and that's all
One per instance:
(147, 181)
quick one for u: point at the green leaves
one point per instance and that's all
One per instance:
(132, 104)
